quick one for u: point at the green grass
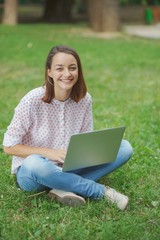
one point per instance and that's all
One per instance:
(123, 77)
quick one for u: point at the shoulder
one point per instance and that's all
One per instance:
(34, 96)
(31, 99)
(87, 98)
(85, 102)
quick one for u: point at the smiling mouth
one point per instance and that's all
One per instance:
(66, 80)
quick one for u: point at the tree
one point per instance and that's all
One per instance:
(104, 15)
(58, 11)
(10, 12)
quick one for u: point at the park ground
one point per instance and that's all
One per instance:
(122, 74)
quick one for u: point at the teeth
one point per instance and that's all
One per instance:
(66, 81)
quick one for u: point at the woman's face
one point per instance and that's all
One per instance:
(64, 71)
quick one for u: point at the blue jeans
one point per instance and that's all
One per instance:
(38, 173)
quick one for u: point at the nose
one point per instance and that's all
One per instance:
(67, 72)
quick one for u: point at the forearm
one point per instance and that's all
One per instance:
(24, 151)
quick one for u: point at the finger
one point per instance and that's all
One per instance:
(60, 161)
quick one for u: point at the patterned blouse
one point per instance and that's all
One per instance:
(39, 124)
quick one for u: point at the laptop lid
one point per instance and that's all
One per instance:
(93, 148)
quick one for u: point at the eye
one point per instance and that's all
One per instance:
(73, 68)
(59, 69)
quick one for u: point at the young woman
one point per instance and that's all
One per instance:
(40, 130)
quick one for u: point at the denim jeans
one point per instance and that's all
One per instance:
(38, 173)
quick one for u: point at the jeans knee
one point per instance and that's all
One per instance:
(40, 166)
(32, 162)
(36, 165)
(128, 150)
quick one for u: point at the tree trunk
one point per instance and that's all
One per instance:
(10, 12)
(104, 15)
(58, 11)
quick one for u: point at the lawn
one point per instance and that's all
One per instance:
(123, 77)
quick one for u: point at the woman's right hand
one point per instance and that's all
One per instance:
(57, 155)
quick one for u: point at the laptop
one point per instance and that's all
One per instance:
(93, 148)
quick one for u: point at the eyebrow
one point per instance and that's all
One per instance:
(61, 65)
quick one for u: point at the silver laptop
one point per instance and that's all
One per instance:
(93, 148)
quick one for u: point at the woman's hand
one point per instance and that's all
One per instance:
(57, 155)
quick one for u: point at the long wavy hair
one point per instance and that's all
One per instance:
(79, 89)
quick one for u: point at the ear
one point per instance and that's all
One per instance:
(49, 72)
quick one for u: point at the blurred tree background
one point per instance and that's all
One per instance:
(101, 15)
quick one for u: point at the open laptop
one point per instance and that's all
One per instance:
(93, 148)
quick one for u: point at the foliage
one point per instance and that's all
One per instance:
(139, 2)
(122, 75)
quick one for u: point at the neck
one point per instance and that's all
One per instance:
(62, 97)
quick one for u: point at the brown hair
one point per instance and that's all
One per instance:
(79, 89)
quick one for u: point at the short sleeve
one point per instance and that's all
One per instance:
(88, 117)
(19, 125)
